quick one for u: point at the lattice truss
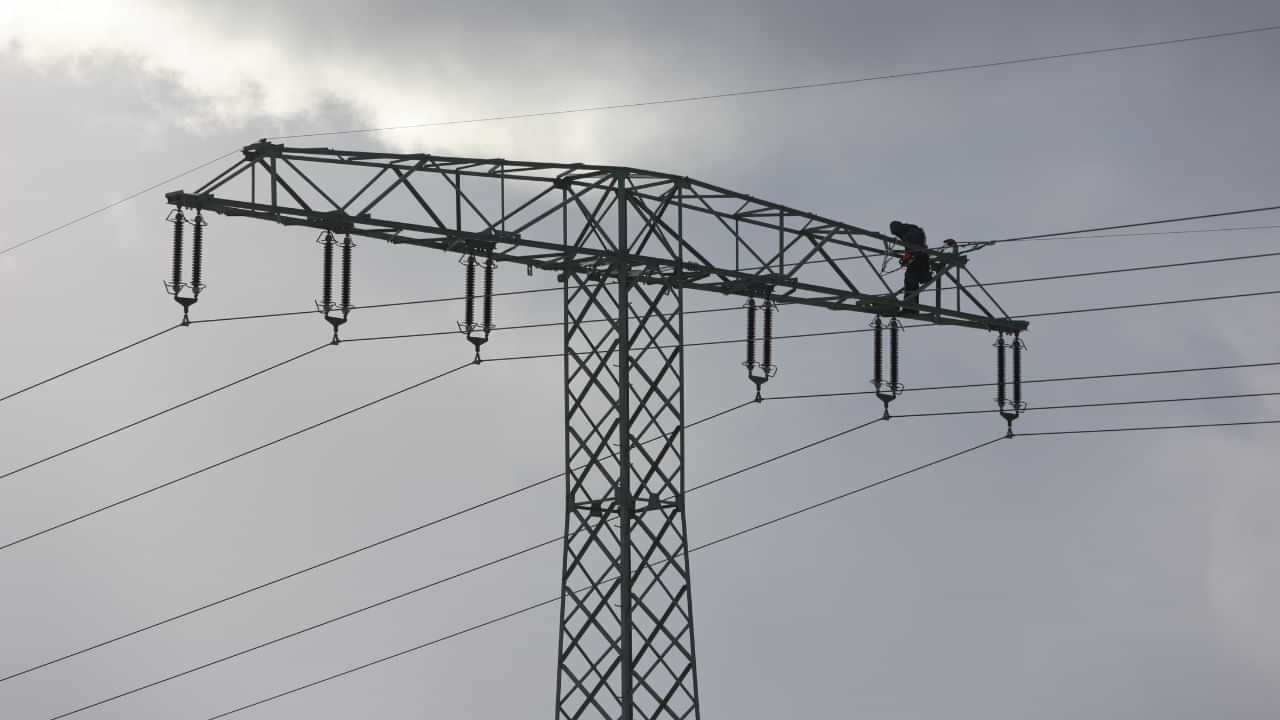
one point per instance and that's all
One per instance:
(731, 242)
(626, 243)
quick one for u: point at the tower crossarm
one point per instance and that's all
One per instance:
(552, 216)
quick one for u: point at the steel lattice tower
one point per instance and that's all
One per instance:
(619, 240)
(626, 614)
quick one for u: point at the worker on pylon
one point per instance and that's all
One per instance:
(915, 259)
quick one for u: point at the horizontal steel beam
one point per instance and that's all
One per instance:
(778, 252)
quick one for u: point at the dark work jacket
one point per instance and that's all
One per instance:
(917, 264)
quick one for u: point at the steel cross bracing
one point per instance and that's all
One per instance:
(734, 243)
(626, 613)
(626, 243)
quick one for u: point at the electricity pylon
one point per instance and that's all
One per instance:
(626, 243)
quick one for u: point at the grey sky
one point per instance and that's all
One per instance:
(1120, 576)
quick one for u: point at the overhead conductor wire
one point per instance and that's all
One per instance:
(549, 601)
(548, 542)
(788, 88)
(753, 528)
(232, 458)
(713, 416)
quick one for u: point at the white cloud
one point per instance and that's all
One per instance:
(240, 72)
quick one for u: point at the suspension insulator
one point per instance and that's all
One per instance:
(1000, 373)
(176, 286)
(326, 272)
(477, 333)
(175, 283)
(767, 356)
(759, 373)
(489, 266)
(877, 352)
(469, 316)
(1017, 374)
(347, 246)
(888, 391)
(1009, 410)
(335, 314)
(895, 328)
(197, 255)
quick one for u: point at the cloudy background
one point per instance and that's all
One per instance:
(1119, 576)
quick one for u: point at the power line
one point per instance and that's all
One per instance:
(530, 608)
(87, 363)
(792, 336)
(1042, 278)
(227, 386)
(296, 313)
(1158, 233)
(772, 521)
(668, 101)
(1139, 268)
(695, 344)
(232, 458)
(165, 411)
(331, 560)
(1144, 223)
(1159, 303)
(545, 543)
(435, 583)
(824, 333)
(783, 88)
(1077, 406)
(374, 306)
(423, 301)
(1070, 378)
(121, 201)
(543, 481)
(1149, 427)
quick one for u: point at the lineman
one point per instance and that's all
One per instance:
(915, 259)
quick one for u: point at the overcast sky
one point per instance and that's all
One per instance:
(1114, 576)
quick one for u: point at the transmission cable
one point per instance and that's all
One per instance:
(1140, 268)
(87, 363)
(713, 416)
(792, 336)
(688, 312)
(549, 601)
(1191, 426)
(425, 301)
(1144, 223)
(121, 201)
(1069, 378)
(836, 498)
(1042, 278)
(1157, 233)
(667, 101)
(420, 588)
(165, 411)
(825, 333)
(232, 458)
(342, 556)
(545, 543)
(782, 88)
(374, 306)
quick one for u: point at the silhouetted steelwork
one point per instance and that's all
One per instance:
(626, 243)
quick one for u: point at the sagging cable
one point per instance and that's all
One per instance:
(176, 285)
